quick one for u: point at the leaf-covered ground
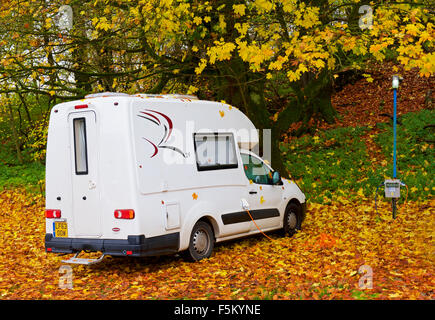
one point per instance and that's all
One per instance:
(320, 262)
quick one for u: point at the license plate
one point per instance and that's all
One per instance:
(60, 229)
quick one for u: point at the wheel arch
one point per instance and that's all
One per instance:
(204, 211)
(212, 222)
(302, 211)
(302, 206)
(299, 204)
(293, 200)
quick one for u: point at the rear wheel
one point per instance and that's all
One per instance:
(201, 242)
(292, 219)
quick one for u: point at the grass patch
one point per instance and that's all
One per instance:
(364, 295)
(415, 155)
(29, 176)
(335, 163)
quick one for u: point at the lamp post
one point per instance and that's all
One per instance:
(395, 87)
(392, 186)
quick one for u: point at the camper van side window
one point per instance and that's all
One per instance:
(80, 147)
(215, 151)
(256, 170)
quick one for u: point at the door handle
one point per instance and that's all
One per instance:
(92, 185)
(252, 192)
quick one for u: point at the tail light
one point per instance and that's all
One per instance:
(52, 213)
(81, 106)
(124, 214)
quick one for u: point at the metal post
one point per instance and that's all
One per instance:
(394, 206)
(394, 133)
(395, 87)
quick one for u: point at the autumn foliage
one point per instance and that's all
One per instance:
(275, 60)
(279, 62)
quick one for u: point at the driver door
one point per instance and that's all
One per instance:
(263, 197)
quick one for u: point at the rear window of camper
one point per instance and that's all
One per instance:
(215, 151)
(80, 146)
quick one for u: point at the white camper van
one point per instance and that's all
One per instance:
(141, 175)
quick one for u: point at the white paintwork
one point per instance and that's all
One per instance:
(87, 215)
(165, 189)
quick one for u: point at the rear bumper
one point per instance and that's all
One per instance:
(136, 246)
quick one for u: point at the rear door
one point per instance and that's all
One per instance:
(85, 188)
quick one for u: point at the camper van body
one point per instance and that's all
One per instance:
(132, 175)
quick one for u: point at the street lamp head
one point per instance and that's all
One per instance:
(396, 82)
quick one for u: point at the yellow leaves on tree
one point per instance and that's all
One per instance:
(239, 9)
(254, 54)
(263, 6)
(287, 37)
(307, 17)
(220, 51)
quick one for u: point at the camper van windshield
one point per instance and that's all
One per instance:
(215, 151)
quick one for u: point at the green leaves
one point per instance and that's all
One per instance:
(326, 163)
(414, 154)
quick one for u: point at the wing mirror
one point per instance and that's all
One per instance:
(276, 178)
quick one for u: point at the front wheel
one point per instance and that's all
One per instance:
(292, 219)
(201, 242)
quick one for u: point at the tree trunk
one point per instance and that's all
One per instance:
(245, 90)
(79, 55)
(26, 108)
(15, 135)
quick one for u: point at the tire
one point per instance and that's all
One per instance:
(292, 219)
(201, 242)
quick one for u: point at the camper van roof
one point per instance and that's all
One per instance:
(209, 114)
(142, 95)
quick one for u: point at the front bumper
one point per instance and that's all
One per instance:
(136, 246)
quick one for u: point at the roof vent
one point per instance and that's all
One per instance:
(167, 96)
(142, 95)
(106, 94)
